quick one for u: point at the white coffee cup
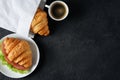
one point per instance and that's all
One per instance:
(58, 10)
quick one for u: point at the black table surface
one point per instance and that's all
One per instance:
(84, 46)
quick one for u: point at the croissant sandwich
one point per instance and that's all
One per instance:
(17, 52)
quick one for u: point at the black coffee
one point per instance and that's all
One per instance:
(58, 10)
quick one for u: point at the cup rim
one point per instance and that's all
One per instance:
(66, 7)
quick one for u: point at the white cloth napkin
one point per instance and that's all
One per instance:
(17, 13)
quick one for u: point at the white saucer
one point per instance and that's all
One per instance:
(36, 56)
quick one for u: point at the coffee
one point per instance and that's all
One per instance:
(58, 10)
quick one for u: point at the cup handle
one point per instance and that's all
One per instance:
(47, 6)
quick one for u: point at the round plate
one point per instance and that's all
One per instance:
(36, 55)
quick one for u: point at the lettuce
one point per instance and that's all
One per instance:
(4, 62)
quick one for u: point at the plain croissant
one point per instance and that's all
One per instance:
(39, 23)
(17, 53)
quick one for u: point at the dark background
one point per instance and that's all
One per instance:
(84, 46)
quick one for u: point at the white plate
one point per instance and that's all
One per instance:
(36, 55)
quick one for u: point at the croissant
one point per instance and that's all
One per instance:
(39, 23)
(17, 53)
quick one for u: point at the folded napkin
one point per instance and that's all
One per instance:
(16, 13)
